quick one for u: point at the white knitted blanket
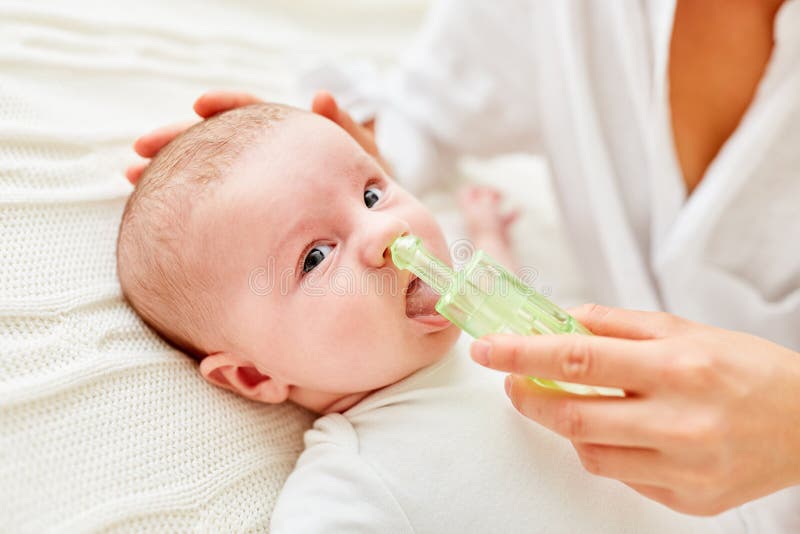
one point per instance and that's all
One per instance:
(102, 427)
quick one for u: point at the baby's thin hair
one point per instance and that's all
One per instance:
(158, 264)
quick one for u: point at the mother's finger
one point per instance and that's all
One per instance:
(325, 104)
(632, 465)
(151, 143)
(134, 172)
(629, 324)
(625, 422)
(213, 102)
(593, 360)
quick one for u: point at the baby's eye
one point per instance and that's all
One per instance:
(315, 256)
(372, 195)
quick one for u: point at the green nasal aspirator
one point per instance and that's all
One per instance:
(484, 298)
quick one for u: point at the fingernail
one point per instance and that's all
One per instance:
(480, 352)
(508, 385)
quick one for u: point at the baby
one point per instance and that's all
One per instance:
(257, 242)
(269, 195)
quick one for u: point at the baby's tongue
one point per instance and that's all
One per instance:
(421, 299)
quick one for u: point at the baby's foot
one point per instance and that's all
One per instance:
(487, 225)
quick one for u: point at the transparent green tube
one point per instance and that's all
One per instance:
(484, 298)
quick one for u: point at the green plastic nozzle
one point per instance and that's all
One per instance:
(410, 254)
(484, 298)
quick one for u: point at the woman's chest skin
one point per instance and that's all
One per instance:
(718, 54)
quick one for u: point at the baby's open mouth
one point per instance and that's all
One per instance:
(420, 299)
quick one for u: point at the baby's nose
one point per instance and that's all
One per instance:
(376, 252)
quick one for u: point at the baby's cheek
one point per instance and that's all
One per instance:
(349, 312)
(435, 241)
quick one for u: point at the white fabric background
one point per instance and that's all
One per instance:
(102, 426)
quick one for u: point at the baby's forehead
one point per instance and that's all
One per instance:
(304, 165)
(307, 155)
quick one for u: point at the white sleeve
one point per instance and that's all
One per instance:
(466, 87)
(332, 489)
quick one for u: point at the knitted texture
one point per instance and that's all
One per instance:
(103, 426)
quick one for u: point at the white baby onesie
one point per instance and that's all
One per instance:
(445, 451)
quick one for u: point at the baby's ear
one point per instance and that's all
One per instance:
(228, 371)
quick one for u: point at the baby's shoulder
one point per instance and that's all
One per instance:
(333, 430)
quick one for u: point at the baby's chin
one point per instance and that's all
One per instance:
(439, 344)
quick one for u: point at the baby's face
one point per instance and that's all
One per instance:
(311, 295)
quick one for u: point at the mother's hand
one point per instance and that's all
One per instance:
(711, 418)
(214, 102)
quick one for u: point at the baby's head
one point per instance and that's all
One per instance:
(257, 242)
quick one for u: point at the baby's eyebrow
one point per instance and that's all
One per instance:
(288, 235)
(367, 164)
